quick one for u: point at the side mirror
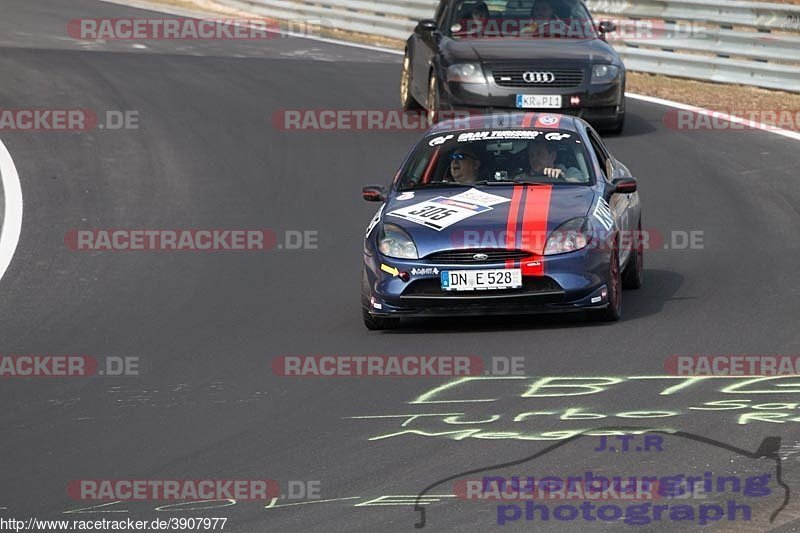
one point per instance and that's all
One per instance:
(426, 26)
(373, 193)
(625, 185)
(606, 26)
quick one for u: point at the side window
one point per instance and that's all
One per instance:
(602, 155)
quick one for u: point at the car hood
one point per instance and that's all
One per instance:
(551, 51)
(531, 212)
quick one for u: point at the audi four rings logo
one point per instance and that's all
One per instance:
(539, 77)
(480, 257)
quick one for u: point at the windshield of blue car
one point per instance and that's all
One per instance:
(498, 157)
(478, 19)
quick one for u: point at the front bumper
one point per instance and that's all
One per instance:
(406, 288)
(600, 104)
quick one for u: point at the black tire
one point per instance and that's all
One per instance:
(618, 126)
(373, 323)
(407, 101)
(433, 100)
(613, 312)
(633, 275)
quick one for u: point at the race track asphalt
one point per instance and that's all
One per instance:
(206, 325)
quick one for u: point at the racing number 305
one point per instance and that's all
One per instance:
(432, 212)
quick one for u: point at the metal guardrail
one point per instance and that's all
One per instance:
(760, 15)
(730, 41)
(392, 19)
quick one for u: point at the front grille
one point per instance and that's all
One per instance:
(467, 256)
(513, 77)
(432, 287)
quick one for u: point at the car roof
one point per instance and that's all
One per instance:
(504, 121)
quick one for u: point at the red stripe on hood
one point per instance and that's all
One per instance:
(511, 223)
(528, 119)
(534, 227)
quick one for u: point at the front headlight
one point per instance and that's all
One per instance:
(466, 73)
(604, 73)
(397, 243)
(570, 236)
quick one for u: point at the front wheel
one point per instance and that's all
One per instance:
(618, 126)
(633, 275)
(407, 101)
(433, 100)
(613, 312)
(373, 323)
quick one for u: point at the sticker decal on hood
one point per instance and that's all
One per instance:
(476, 196)
(406, 196)
(442, 212)
(374, 221)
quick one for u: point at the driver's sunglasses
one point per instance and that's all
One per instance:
(458, 156)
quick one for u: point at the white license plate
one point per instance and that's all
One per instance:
(481, 280)
(539, 101)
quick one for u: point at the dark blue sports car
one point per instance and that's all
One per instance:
(516, 214)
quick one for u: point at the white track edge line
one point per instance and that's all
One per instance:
(12, 218)
(718, 115)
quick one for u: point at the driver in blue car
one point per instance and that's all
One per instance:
(542, 160)
(464, 166)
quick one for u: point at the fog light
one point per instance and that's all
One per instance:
(405, 276)
(575, 101)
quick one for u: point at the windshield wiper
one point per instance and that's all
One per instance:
(434, 185)
(437, 184)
